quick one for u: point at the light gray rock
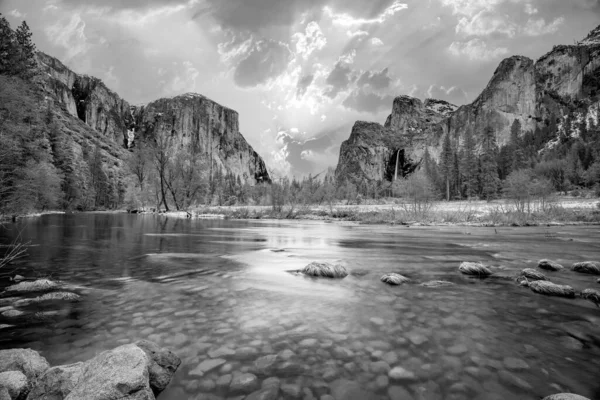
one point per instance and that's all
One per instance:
(56, 383)
(40, 285)
(565, 396)
(16, 384)
(121, 373)
(28, 361)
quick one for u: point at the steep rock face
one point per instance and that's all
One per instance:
(509, 95)
(87, 98)
(562, 81)
(370, 154)
(195, 121)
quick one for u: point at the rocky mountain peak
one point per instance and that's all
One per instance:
(440, 106)
(592, 38)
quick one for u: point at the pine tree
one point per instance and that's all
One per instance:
(469, 166)
(26, 53)
(8, 48)
(489, 166)
(446, 164)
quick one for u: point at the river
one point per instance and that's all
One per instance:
(219, 289)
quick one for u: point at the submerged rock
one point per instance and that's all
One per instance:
(435, 284)
(394, 279)
(587, 267)
(476, 269)
(565, 396)
(591, 295)
(549, 265)
(326, 270)
(552, 289)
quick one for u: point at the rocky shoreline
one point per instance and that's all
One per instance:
(137, 371)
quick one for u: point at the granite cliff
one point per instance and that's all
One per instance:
(564, 82)
(193, 119)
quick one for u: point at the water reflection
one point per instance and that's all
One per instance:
(217, 289)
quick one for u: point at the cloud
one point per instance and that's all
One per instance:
(309, 41)
(537, 27)
(470, 7)
(454, 95)
(530, 9)
(476, 50)
(70, 36)
(364, 101)
(346, 20)
(338, 79)
(486, 23)
(376, 42)
(15, 13)
(377, 80)
(264, 60)
(357, 34)
(303, 84)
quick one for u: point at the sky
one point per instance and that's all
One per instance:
(299, 72)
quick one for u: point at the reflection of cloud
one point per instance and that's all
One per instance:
(476, 49)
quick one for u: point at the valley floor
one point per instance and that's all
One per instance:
(562, 210)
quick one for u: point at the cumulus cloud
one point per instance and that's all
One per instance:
(476, 50)
(376, 41)
(69, 35)
(260, 61)
(17, 14)
(303, 84)
(346, 20)
(453, 94)
(377, 80)
(362, 100)
(341, 76)
(537, 27)
(311, 40)
(530, 9)
(485, 23)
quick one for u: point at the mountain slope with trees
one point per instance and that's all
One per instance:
(539, 117)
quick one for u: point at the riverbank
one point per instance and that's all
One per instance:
(563, 211)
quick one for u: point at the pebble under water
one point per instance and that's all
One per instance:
(218, 294)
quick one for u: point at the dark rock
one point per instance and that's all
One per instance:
(163, 365)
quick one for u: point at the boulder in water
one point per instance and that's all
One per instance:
(532, 275)
(552, 289)
(475, 269)
(394, 279)
(549, 265)
(591, 295)
(40, 285)
(435, 284)
(163, 364)
(326, 270)
(565, 396)
(587, 267)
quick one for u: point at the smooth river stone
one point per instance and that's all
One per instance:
(207, 365)
(401, 374)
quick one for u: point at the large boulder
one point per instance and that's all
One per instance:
(163, 364)
(394, 279)
(565, 396)
(28, 361)
(475, 269)
(324, 269)
(121, 373)
(587, 267)
(57, 382)
(15, 383)
(549, 265)
(552, 289)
